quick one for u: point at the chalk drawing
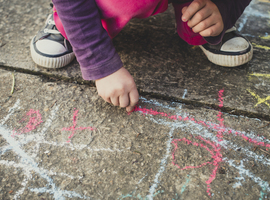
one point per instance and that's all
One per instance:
(260, 75)
(11, 111)
(185, 185)
(73, 128)
(266, 37)
(244, 172)
(259, 99)
(162, 165)
(261, 46)
(264, 1)
(198, 128)
(216, 127)
(164, 160)
(27, 161)
(31, 166)
(215, 152)
(138, 196)
(35, 119)
(248, 13)
(263, 195)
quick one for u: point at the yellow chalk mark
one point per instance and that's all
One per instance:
(266, 37)
(259, 99)
(260, 75)
(260, 46)
(264, 1)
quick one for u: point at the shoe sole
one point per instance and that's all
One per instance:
(228, 60)
(50, 62)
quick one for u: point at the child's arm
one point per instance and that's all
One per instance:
(226, 14)
(119, 89)
(95, 52)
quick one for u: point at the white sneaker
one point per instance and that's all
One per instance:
(49, 48)
(232, 51)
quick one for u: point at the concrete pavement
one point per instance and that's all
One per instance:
(200, 131)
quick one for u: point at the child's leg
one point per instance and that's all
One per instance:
(183, 30)
(50, 47)
(232, 51)
(116, 14)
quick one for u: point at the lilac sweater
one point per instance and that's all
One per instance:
(93, 46)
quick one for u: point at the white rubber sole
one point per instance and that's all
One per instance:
(47, 62)
(228, 60)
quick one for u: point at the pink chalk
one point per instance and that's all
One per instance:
(35, 119)
(215, 155)
(73, 128)
(215, 151)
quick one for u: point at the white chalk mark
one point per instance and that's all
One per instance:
(162, 165)
(33, 166)
(4, 149)
(202, 130)
(198, 129)
(21, 165)
(70, 194)
(248, 13)
(24, 183)
(11, 111)
(244, 172)
(40, 140)
(181, 105)
(142, 179)
(156, 103)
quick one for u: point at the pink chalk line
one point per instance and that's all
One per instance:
(73, 128)
(215, 153)
(218, 127)
(35, 119)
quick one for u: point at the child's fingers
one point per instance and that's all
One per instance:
(214, 30)
(108, 99)
(124, 100)
(203, 25)
(199, 17)
(115, 100)
(194, 7)
(134, 98)
(184, 9)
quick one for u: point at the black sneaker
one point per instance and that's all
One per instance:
(232, 51)
(49, 48)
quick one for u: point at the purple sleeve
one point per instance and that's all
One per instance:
(230, 11)
(90, 41)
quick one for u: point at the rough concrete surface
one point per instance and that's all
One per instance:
(161, 63)
(59, 140)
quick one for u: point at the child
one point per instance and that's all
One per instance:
(87, 26)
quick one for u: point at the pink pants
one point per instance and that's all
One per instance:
(115, 14)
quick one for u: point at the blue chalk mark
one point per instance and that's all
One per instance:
(185, 185)
(262, 192)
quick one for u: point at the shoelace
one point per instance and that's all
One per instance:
(52, 31)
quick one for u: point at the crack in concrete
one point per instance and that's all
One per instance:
(142, 92)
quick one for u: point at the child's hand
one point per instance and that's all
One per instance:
(203, 17)
(119, 89)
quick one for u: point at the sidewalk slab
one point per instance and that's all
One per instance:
(60, 140)
(161, 63)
